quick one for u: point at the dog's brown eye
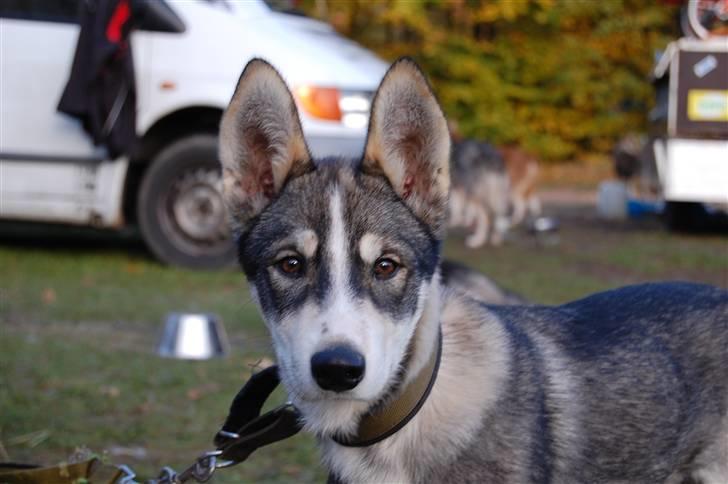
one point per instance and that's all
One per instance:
(385, 268)
(291, 265)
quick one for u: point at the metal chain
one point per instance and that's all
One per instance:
(233, 448)
(200, 471)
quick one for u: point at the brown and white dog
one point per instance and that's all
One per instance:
(487, 184)
(480, 192)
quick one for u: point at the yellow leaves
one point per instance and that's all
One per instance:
(551, 74)
(502, 10)
(545, 4)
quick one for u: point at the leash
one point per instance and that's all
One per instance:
(243, 432)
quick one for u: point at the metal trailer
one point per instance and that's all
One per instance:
(689, 127)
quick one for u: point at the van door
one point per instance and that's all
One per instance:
(38, 42)
(50, 169)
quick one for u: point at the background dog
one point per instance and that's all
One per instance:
(492, 189)
(480, 192)
(343, 260)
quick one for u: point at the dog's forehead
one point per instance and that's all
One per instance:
(341, 220)
(368, 205)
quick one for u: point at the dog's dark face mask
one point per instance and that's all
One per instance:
(341, 256)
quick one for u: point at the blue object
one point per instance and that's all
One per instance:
(639, 208)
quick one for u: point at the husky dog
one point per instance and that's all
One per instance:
(403, 379)
(480, 192)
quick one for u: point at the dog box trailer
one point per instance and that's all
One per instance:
(50, 170)
(691, 123)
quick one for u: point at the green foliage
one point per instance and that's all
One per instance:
(563, 78)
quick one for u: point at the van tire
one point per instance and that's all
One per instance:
(180, 209)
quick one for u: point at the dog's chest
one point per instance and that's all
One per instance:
(350, 465)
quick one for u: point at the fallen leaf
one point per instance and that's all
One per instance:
(143, 408)
(110, 391)
(196, 393)
(48, 296)
(133, 268)
(292, 469)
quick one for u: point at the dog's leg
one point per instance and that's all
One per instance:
(500, 227)
(519, 209)
(457, 209)
(478, 218)
(534, 206)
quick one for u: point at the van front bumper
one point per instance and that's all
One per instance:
(329, 145)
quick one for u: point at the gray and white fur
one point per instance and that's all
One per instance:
(627, 386)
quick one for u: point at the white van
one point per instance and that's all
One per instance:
(50, 170)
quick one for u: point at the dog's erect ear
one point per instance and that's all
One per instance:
(261, 142)
(409, 143)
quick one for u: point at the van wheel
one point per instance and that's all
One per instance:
(180, 208)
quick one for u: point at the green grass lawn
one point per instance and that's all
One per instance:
(79, 327)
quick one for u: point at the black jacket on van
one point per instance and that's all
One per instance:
(101, 90)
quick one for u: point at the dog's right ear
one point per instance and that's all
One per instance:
(409, 144)
(261, 142)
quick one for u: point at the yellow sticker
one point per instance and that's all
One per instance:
(707, 105)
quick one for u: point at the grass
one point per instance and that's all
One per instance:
(79, 328)
(78, 366)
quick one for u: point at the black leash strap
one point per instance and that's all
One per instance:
(248, 403)
(245, 430)
(276, 425)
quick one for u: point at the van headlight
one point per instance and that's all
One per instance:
(351, 108)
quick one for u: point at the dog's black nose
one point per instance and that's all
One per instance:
(339, 368)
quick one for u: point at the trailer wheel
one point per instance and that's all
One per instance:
(180, 208)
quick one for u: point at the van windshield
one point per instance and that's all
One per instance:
(285, 6)
(279, 6)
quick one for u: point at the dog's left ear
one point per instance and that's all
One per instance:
(409, 143)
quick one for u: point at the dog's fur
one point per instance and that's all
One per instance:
(625, 386)
(476, 285)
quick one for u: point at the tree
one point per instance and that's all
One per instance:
(562, 78)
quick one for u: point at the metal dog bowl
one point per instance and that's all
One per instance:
(543, 225)
(190, 336)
